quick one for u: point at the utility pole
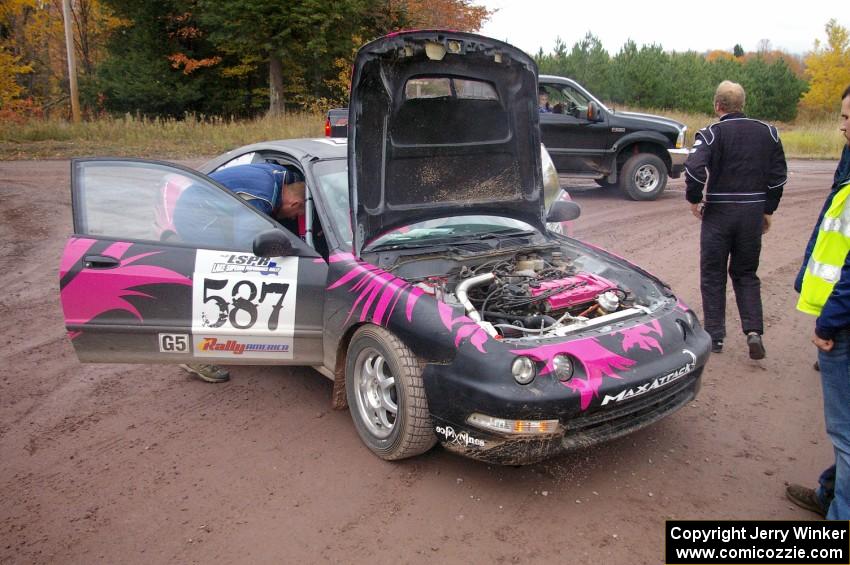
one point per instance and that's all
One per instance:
(72, 65)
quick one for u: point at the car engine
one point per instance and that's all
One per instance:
(530, 295)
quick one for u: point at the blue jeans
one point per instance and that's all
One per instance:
(835, 379)
(826, 489)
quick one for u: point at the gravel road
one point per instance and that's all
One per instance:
(143, 464)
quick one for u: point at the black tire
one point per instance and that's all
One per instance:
(643, 177)
(375, 351)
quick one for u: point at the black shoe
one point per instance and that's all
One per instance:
(755, 345)
(716, 345)
(805, 497)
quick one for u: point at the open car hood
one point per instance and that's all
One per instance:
(442, 124)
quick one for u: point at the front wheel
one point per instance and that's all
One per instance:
(643, 177)
(383, 383)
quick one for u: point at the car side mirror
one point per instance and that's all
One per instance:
(272, 243)
(593, 112)
(563, 211)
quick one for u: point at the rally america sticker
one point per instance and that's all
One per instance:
(243, 347)
(240, 293)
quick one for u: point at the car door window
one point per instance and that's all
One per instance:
(246, 159)
(146, 201)
(566, 100)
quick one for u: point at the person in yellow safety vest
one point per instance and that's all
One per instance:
(824, 285)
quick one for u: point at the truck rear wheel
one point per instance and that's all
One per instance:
(643, 177)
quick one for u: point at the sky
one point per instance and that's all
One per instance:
(676, 26)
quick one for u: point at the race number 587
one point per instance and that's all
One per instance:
(245, 303)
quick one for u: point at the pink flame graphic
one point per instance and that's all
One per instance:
(638, 337)
(468, 328)
(383, 290)
(93, 292)
(374, 287)
(598, 362)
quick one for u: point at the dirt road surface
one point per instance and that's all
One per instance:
(143, 464)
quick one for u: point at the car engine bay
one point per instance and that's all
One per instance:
(536, 293)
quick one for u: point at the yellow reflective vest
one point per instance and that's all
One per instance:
(827, 259)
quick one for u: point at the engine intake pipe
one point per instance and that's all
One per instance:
(462, 291)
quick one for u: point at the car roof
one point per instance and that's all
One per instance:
(321, 147)
(301, 149)
(555, 78)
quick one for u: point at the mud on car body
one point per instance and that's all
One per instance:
(426, 286)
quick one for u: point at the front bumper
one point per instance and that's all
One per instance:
(575, 433)
(656, 387)
(677, 161)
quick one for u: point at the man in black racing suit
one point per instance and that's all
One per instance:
(734, 181)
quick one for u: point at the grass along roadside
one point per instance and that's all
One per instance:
(168, 138)
(163, 138)
(802, 139)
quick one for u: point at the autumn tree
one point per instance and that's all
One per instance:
(32, 70)
(93, 23)
(460, 15)
(32, 32)
(10, 71)
(828, 70)
(162, 63)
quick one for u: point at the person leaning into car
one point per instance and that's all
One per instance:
(734, 181)
(272, 189)
(824, 286)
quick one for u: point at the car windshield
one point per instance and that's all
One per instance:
(332, 181)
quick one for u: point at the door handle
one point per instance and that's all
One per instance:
(100, 262)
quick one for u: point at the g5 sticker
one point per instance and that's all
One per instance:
(173, 343)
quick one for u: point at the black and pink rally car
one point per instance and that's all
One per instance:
(425, 283)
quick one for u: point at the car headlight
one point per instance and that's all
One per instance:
(680, 141)
(689, 324)
(524, 370)
(562, 367)
(692, 319)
